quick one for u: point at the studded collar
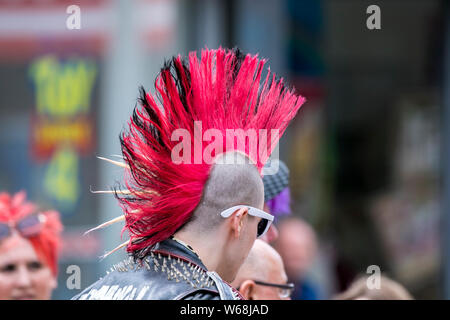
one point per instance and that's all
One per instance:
(178, 250)
(181, 266)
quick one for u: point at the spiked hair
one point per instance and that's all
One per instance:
(221, 91)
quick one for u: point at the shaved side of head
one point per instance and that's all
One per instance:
(233, 180)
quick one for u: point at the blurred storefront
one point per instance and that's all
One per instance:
(384, 107)
(50, 97)
(377, 186)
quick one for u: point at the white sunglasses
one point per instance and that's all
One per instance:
(263, 225)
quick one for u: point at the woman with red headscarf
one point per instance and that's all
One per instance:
(29, 243)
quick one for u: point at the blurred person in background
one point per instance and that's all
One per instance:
(276, 196)
(29, 244)
(262, 275)
(297, 245)
(388, 290)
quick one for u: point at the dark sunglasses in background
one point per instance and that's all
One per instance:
(27, 227)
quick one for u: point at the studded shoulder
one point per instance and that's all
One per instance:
(175, 268)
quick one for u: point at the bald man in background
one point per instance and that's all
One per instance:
(262, 275)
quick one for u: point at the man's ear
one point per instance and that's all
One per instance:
(237, 221)
(247, 289)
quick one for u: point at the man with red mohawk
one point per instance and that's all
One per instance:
(193, 211)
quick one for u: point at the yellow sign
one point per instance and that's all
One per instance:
(61, 178)
(63, 89)
(62, 129)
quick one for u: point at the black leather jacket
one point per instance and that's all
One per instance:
(169, 271)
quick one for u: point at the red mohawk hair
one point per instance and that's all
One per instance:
(221, 90)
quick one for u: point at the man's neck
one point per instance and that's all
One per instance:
(210, 251)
